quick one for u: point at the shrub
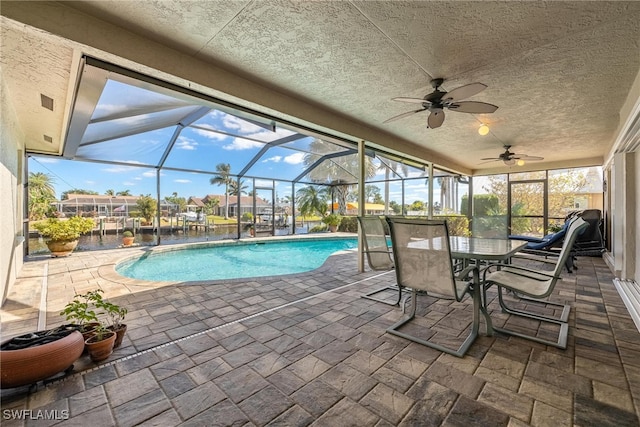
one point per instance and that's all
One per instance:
(65, 230)
(349, 224)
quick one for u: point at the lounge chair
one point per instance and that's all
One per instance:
(423, 264)
(535, 284)
(547, 246)
(378, 254)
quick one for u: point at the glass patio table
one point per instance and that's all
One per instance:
(482, 249)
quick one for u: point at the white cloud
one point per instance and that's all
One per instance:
(149, 174)
(47, 160)
(184, 143)
(242, 144)
(207, 134)
(182, 181)
(294, 159)
(275, 159)
(128, 183)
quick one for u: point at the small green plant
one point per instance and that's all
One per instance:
(332, 219)
(82, 310)
(65, 230)
(127, 233)
(115, 313)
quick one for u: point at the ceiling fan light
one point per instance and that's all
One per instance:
(483, 129)
(520, 162)
(510, 162)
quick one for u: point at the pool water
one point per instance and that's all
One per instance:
(234, 261)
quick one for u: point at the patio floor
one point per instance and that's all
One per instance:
(306, 349)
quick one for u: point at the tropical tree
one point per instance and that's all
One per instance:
(235, 190)
(180, 201)
(65, 194)
(41, 195)
(147, 206)
(371, 192)
(340, 172)
(211, 205)
(311, 201)
(123, 193)
(109, 192)
(390, 166)
(223, 177)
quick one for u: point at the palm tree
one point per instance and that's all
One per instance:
(233, 188)
(391, 166)
(109, 192)
(123, 193)
(310, 201)
(41, 194)
(223, 177)
(339, 172)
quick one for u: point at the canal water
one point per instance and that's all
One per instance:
(95, 241)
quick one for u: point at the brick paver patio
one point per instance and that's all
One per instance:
(306, 349)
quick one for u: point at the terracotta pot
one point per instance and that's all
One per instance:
(119, 335)
(32, 364)
(88, 330)
(333, 228)
(61, 248)
(127, 241)
(100, 350)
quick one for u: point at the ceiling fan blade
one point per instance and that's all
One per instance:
(400, 116)
(527, 157)
(436, 118)
(474, 107)
(464, 92)
(410, 100)
(491, 158)
(489, 161)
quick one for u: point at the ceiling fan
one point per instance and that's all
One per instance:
(510, 158)
(437, 101)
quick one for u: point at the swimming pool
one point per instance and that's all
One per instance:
(233, 261)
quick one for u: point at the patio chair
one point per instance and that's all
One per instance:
(547, 246)
(536, 285)
(378, 254)
(423, 264)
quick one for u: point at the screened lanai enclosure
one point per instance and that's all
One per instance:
(208, 157)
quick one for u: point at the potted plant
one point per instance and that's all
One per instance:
(116, 315)
(35, 356)
(81, 312)
(100, 344)
(63, 235)
(127, 237)
(332, 220)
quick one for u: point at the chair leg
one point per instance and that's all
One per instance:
(564, 316)
(563, 333)
(386, 288)
(460, 352)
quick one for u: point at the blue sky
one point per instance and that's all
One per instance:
(133, 126)
(100, 177)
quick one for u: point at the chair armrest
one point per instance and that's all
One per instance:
(520, 271)
(462, 274)
(534, 257)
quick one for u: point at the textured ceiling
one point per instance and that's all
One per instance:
(559, 71)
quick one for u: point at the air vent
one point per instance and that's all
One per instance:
(48, 139)
(46, 102)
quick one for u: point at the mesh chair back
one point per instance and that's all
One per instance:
(375, 243)
(575, 228)
(422, 256)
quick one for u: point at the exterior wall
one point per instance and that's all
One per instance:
(11, 210)
(636, 209)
